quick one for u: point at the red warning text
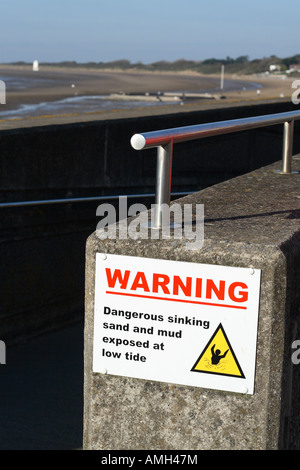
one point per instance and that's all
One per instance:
(177, 288)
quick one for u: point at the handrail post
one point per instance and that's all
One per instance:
(287, 151)
(163, 181)
(287, 148)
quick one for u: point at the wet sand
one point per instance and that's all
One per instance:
(49, 84)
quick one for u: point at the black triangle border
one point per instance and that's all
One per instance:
(231, 350)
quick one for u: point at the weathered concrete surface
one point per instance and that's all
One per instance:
(249, 220)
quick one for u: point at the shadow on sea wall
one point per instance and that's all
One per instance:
(42, 247)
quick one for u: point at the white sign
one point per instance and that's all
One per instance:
(172, 321)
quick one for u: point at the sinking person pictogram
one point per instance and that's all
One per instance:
(218, 357)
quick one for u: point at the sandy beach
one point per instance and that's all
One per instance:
(50, 84)
(53, 84)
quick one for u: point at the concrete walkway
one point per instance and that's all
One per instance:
(41, 393)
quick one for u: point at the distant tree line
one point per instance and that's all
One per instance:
(240, 65)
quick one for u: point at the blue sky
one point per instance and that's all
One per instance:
(104, 30)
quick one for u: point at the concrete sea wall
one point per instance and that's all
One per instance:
(42, 247)
(252, 222)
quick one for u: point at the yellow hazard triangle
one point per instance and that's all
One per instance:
(218, 357)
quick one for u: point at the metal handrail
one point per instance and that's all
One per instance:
(75, 200)
(165, 139)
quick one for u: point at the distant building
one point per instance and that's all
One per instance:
(294, 68)
(35, 66)
(274, 68)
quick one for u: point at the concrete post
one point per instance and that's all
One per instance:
(250, 222)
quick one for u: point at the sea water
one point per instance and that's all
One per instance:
(76, 104)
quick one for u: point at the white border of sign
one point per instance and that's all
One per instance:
(154, 317)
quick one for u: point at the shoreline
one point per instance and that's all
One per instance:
(55, 84)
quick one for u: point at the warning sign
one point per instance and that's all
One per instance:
(218, 357)
(184, 323)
